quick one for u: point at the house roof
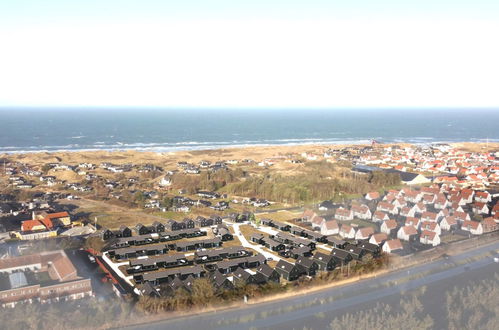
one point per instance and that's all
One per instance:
(285, 266)
(394, 244)
(373, 195)
(410, 230)
(390, 224)
(379, 237)
(430, 234)
(331, 224)
(429, 225)
(343, 212)
(366, 231)
(470, 223)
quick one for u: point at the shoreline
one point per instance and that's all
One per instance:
(235, 147)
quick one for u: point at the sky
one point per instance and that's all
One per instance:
(249, 54)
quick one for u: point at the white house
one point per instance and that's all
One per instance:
(448, 223)
(412, 221)
(461, 216)
(483, 197)
(361, 212)
(480, 208)
(473, 227)
(378, 238)
(407, 233)
(408, 211)
(429, 237)
(388, 225)
(347, 231)
(392, 245)
(379, 216)
(431, 226)
(387, 208)
(343, 214)
(364, 233)
(429, 216)
(317, 222)
(329, 228)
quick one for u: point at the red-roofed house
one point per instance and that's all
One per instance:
(378, 238)
(448, 223)
(473, 227)
(330, 228)
(388, 226)
(308, 215)
(379, 216)
(480, 208)
(372, 196)
(317, 222)
(361, 212)
(364, 233)
(408, 212)
(387, 207)
(429, 237)
(489, 224)
(347, 231)
(431, 226)
(412, 221)
(407, 233)
(392, 245)
(429, 216)
(483, 197)
(343, 214)
(461, 216)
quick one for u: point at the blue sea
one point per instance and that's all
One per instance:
(30, 130)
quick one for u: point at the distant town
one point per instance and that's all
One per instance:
(146, 230)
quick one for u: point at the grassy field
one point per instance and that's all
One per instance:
(279, 215)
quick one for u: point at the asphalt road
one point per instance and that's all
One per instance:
(308, 310)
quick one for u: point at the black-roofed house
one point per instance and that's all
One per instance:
(158, 227)
(217, 220)
(267, 222)
(335, 242)
(172, 225)
(255, 261)
(221, 282)
(308, 265)
(282, 226)
(203, 222)
(298, 231)
(107, 234)
(324, 261)
(274, 245)
(355, 251)
(140, 229)
(342, 256)
(243, 277)
(318, 237)
(225, 234)
(374, 249)
(257, 238)
(123, 231)
(270, 274)
(189, 223)
(302, 251)
(288, 271)
(148, 290)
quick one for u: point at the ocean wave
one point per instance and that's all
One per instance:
(198, 145)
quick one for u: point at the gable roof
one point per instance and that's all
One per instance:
(394, 244)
